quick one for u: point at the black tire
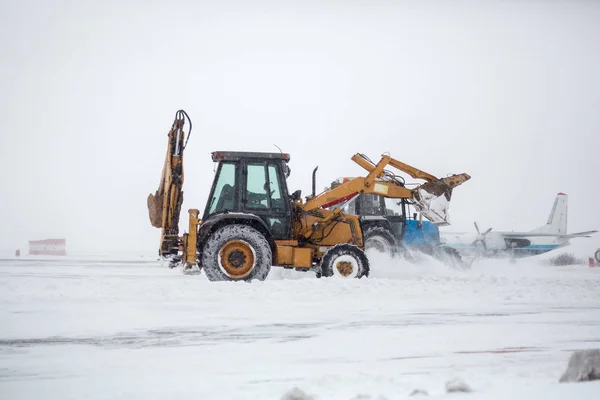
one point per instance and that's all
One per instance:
(356, 263)
(380, 239)
(246, 251)
(597, 256)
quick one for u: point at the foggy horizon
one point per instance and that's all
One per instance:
(507, 92)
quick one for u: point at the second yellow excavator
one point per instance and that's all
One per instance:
(251, 222)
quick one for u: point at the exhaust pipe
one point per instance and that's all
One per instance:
(314, 182)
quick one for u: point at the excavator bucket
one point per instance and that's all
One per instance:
(155, 201)
(432, 198)
(155, 209)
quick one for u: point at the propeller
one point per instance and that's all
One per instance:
(481, 236)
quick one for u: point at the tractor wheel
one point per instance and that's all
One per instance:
(597, 255)
(344, 261)
(381, 240)
(235, 253)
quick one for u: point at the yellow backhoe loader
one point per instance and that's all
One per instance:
(251, 222)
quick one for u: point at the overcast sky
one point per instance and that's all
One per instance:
(508, 92)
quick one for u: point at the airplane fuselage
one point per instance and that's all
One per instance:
(498, 246)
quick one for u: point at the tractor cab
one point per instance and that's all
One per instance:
(376, 211)
(397, 216)
(252, 183)
(382, 211)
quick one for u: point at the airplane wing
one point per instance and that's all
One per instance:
(533, 234)
(578, 234)
(582, 234)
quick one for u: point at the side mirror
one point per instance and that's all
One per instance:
(286, 170)
(297, 195)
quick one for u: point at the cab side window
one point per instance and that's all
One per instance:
(370, 205)
(256, 187)
(276, 198)
(224, 196)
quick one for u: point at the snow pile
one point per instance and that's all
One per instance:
(418, 264)
(457, 385)
(296, 394)
(583, 366)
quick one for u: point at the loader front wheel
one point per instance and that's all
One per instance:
(344, 261)
(381, 240)
(236, 252)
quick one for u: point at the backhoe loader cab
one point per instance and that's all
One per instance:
(247, 212)
(251, 186)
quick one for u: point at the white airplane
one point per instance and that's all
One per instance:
(518, 244)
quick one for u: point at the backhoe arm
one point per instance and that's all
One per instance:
(164, 206)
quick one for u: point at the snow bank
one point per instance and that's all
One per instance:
(583, 366)
(296, 394)
(457, 386)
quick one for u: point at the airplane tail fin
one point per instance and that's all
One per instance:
(557, 221)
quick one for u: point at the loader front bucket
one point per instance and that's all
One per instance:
(432, 198)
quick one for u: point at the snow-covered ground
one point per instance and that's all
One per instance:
(104, 328)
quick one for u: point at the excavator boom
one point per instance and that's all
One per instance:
(164, 206)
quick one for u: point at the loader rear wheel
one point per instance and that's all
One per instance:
(236, 252)
(344, 261)
(597, 255)
(381, 240)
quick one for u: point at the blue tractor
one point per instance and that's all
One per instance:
(391, 226)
